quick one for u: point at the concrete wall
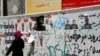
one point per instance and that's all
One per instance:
(57, 41)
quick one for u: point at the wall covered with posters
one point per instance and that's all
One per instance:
(72, 34)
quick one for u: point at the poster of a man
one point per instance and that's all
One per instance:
(75, 35)
(87, 25)
(68, 25)
(74, 25)
(88, 54)
(74, 53)
(68, 53)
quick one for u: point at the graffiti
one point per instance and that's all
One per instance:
(89, 15)
(92, 38)
(90, 51)
(54, 49)
(1, 26)
(94, 51)
(42, 54)
(59, 22)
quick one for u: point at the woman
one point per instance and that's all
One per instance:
(17, 45)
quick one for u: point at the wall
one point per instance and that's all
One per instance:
(56, 41)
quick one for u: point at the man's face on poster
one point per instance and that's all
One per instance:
(75, 31)
(67, 22)
(68, 52)
(74, 22)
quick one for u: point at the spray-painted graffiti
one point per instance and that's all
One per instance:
(59, 22)
(57, 48)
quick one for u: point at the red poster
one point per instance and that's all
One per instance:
(67, 4)
(83, 3)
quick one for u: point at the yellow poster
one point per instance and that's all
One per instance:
(37, 6)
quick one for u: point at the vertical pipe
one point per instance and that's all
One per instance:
(5, 8)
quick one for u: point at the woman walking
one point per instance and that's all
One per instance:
(17, 45)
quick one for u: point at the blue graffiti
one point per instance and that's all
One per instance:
(60, 22)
